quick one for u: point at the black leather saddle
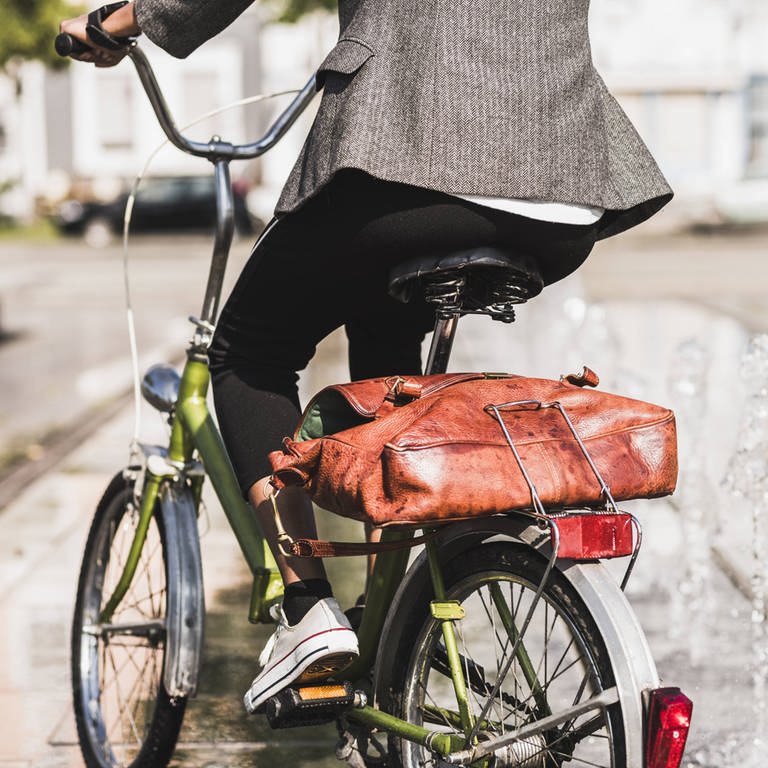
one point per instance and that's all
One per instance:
(488, 280)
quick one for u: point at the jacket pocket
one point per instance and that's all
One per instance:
(346, 57)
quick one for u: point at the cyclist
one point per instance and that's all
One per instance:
(441, 127)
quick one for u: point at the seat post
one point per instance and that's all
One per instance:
(442, 342)
(487, 280)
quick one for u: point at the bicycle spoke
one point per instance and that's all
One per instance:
(120, 709)
(492, 617)
(466, 656)
(563, 736)
(560, 668)
(577, 760)
(136, 604)
(138, 661)
(124, 699)
(551, 677)
(144, 688)
(586, 729)
(149, 556)
(437, 709)
(118, 683)
(530, 696)
(506, 645)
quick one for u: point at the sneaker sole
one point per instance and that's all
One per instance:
(327, 661)
(327, 666)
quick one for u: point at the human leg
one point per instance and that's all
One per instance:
(325, 266)
(260, 344)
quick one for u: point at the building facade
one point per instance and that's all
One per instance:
(692, 75)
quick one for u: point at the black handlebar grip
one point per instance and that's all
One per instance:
(66, 45)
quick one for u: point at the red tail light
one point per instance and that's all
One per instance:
(595, 536)
(669, 719)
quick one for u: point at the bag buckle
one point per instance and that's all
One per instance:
(284, 542)
(400, 387)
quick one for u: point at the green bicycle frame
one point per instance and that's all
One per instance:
(193, 429)
(194, 433)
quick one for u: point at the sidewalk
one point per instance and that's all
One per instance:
(698, 623)
(41, 538)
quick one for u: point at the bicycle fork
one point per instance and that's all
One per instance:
(149, 497)
(181, 629)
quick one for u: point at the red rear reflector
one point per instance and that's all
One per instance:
(669, 719)
(595, 536)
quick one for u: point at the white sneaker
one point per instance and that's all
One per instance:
(320, 645)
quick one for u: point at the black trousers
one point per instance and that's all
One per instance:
(326, 266)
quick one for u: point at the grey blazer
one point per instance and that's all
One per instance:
(473, 97)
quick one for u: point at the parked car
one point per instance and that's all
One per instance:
(175, 203)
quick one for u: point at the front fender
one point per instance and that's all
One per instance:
(185, 610)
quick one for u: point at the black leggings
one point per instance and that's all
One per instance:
(327, 265)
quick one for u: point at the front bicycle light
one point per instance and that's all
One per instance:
(669, 720)
(160, 387)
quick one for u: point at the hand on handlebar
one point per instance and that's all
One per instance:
(118, 22)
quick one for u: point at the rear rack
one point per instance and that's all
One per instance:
(617, 523)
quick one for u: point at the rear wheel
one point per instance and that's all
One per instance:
(124, 715)
(561, 663)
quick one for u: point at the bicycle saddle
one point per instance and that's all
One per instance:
(488, 280)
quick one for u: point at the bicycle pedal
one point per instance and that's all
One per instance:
(311, 705)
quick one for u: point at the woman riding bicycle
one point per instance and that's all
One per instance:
(441, 127)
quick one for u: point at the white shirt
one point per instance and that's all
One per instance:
(543, 210)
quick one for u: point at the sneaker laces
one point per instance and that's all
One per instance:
(276, 613)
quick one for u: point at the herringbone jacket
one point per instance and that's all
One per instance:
(474, 97)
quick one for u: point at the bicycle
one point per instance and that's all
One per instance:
(488, 649)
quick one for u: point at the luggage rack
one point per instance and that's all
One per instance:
(608, 531)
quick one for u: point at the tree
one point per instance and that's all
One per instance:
(28, 29)
(293, 10)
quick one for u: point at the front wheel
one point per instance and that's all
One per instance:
(124, 715)
(561, 662)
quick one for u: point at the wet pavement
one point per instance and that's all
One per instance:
(698, 623)
(64, 347)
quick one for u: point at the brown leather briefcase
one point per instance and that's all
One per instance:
(452, 446)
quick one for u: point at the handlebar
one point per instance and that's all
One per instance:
(219, 152)
(215, 149)
(66, 45)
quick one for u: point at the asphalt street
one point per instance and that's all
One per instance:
(664, 317)
(64, 348)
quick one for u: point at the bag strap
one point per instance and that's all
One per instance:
(415, 387)
(321, 548)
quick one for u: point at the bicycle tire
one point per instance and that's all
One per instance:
(124, 715)
(416, 685)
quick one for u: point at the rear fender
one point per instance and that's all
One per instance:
(627, 647)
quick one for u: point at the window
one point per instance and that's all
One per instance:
(115, 111)
(757, 116)
(200, 96)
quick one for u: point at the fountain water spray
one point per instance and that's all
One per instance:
(691, 600)
(747, 478)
